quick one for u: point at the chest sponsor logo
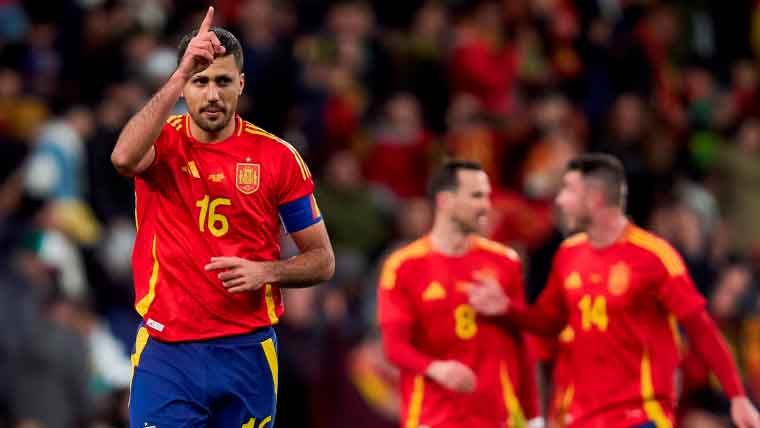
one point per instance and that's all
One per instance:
(247, 177)
(216, 178)
(434, 291)
(573, 281)
(619, 278)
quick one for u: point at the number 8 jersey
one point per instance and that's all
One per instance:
(423, 308)
(201, 200)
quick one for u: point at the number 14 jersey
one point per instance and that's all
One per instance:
(201, 200)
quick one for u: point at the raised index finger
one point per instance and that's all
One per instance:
(206, 24)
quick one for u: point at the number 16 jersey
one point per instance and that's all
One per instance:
(202, 200)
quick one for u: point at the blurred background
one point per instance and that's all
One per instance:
(375, 94)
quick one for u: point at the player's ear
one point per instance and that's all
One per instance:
(242, 83)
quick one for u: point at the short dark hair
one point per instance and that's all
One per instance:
(608, 170)
(227, 39)
(445, 179)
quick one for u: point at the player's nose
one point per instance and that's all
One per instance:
(212, 93)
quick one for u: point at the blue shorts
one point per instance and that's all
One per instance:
(225, 382)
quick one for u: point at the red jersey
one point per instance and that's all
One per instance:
(200, 200)
(622, 303)
(426, 293)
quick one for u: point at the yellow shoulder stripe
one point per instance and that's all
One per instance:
(416, 249)
(252, 129)
(175, 121)
(660, 248)
(577, 239)
(497, 248)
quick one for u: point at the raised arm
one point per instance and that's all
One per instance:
(134, 151)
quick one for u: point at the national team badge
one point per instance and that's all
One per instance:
(619, 279)
(248, 176)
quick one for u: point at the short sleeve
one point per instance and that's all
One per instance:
(295, 179)
(163, 148)
(676, 290)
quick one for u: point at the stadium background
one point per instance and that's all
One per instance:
(374, 94)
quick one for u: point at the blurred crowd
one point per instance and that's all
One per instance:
(375, 95)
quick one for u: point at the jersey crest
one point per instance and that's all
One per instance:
(248, 177)
(619, 278)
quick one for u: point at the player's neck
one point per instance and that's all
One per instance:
(446, 238)
(606, 228)
(204, 136)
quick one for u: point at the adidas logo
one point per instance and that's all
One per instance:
(434, 291)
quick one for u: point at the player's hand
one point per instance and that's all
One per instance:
(239, 275)
(487, 296)
(452, 375)
(743, 413)
(201, 50)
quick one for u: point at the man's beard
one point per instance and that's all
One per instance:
(570, 226)
(214, 126)
(469, 227)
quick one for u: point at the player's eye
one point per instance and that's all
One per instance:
(223, 81)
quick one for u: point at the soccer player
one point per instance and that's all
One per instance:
(623, 291)
(212, 191)
(458, 369)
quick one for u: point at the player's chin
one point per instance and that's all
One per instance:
(211, 123)
(481, 225)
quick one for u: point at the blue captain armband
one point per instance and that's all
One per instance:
(301, 213)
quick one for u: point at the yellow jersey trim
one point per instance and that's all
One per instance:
(144, 304)
(652, 407)
(514, 410)
(659, 247)
(415, 403)
(252, 129)
(496, 247)
(416, 249)
(271, 306)
(577, 239)
(271, 355)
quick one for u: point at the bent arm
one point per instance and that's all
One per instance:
(134, 151)
(398, 348)
(315, 263)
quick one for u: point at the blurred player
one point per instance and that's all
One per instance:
(212, 190)
(621, 289)
(458, 369)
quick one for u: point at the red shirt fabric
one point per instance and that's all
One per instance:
(622, 303)
(201, 200)
(424, 315)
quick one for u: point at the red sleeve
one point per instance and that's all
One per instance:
(548, 316)
(677, 291)
(396, 319)
(294, 176)
(162, 147)
(707, 341)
